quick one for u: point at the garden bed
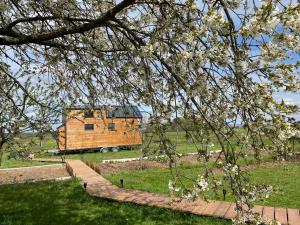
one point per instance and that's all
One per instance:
(30, 174)
(185, 161)
(115, 167)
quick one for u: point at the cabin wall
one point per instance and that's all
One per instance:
(62, 138)
(126, 131)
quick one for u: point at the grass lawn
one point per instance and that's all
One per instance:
(285, 180)
(183, 146)
(65, 203)
(12, 163)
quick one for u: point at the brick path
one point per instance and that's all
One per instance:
(100, 187)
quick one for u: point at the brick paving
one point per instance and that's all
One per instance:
(100, 187)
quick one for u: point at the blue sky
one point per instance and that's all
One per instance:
(289, 98)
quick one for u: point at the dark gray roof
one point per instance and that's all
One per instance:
(116, 111)
(128, 111)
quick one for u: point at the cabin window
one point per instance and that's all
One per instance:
(111, 126)
(111, 114)
(88, 126)
(88, 114)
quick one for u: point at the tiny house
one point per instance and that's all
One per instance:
(102, 127)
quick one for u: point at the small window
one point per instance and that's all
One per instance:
(88, 114)
(111, 126)
(111, 114)
(88, 126)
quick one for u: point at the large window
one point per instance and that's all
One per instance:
(88, 114)
(111, 126)
(88, 126)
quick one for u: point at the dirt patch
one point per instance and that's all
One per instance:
(29, 174)
(109, 168)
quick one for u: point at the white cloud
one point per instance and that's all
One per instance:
(288, 97)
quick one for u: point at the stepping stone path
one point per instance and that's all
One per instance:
(98, 186)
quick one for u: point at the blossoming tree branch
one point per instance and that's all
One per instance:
(214, 64)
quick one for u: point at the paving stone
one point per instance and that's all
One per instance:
(231, 212)
(281, 215)
(268, 214)
(211, 208)
(258, 209)
(222, 209)
(201, 206)
(293, 217)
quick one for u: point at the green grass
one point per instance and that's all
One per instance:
(65, 203)
(12, 163)
(183, 146)
(285, 180)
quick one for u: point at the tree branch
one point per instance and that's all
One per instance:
(9, 26)
(100, 21)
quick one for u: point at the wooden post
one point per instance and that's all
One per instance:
(224, 194)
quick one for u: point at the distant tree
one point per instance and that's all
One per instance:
(21, 112)
(216, 61)
(13, 119)
(45, 118)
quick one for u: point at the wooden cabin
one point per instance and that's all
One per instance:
(114, 126)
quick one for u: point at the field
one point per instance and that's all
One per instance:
(183, 146)
(12, 163)
(285, 179)
(66, 203)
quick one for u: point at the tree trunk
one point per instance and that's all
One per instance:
(41, 142)
(1, 151)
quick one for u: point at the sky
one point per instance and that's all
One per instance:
(290, 98)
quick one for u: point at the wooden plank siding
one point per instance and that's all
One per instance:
(73, 136)
(62, 137)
